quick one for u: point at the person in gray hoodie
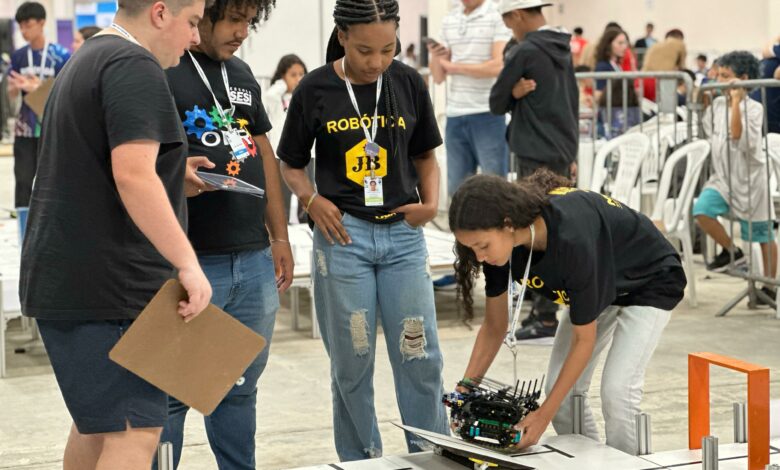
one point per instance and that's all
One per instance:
(537, 85)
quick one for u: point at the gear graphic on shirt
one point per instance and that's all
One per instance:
(217, 118)
(251, 147)
(191, 123)
(233, 168)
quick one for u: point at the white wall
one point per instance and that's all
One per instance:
(411, 11)
(299, 27)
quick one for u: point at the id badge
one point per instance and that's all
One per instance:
(237, 147)
(372, 187)
(372, 149)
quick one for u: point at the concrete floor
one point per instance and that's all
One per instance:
(294, 413)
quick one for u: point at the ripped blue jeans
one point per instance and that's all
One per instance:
(384, 269)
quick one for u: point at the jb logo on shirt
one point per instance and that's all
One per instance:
(358, 164)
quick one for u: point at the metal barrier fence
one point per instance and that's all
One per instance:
(653, 118)
(714, 91)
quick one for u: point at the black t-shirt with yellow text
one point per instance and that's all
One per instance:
(599, 253)
(322, 114)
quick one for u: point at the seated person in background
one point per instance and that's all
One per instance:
(586, 87)
(621, 118)
(740, 141)
(770, 68)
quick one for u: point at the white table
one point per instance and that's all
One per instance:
(569, 452)
(440, 259)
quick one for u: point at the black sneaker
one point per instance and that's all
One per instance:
(536, 329)
(721, 262)
(769, 292)
(528, 320)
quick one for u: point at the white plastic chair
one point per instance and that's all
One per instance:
(632, 149)
(674, 213)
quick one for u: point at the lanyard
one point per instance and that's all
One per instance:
(44, 54)
(125, 33)
(205, 80)
(510, 339)
(370, 138)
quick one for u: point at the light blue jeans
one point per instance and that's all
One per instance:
(385, 268)
(632, 334)
(475, 140)
(243, 285)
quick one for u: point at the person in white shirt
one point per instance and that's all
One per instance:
(473, 37)
(289, 73)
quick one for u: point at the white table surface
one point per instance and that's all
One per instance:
(570, 452)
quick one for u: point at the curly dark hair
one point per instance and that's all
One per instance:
(741, 63)
(604, 48)
(216, 11)
(486, 202)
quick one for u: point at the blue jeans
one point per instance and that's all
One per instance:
(476, 140)
(385, 268)
(244, 285)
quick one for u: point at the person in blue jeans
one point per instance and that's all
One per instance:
(219, 104)
(371, 120)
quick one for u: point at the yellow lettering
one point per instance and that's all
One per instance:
(343, 124)
(563, 297)
(612, 202)
(366, 121)
(354, 123)
(332, 127)
(562, 191)
(401, 122)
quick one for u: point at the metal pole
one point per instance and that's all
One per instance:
(644, 437)
(773, 466)
(578, 413)
(165, 456)
(709, 453)
(608, 123)
(740, 423)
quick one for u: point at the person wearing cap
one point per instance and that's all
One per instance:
(537, 85)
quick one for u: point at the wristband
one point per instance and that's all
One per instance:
(311, 199)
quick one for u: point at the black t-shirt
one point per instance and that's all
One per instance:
(321, 112)
(599, 253)
(223, 221)
(83, 257)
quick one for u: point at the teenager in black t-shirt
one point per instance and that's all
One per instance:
(106, 225)
(386, 137)
(230, 230)
(617, 274)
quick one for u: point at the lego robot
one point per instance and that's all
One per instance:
(488, 411)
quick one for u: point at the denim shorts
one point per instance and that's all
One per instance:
(711, 204)
(101, 395)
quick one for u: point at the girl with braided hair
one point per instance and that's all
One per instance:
(371, 121)
(610, 265)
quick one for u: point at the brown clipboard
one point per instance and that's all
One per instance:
(36, 99)
(196, 362)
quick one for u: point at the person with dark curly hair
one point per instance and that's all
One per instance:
(241, 241)
(610, 49)
(617, 274)
(370, 119)
(739, 141)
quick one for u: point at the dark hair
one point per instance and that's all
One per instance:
(675, 33)
(617, 95)
(612, 24)
(741, 63)
(88, 31)
(284, 65)
(352, 12)
(604, 47)
(578, 30)
(701, 57)
(650, 25)
(486, 202)
(582, 68)
(30, 11)
(216, 11)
